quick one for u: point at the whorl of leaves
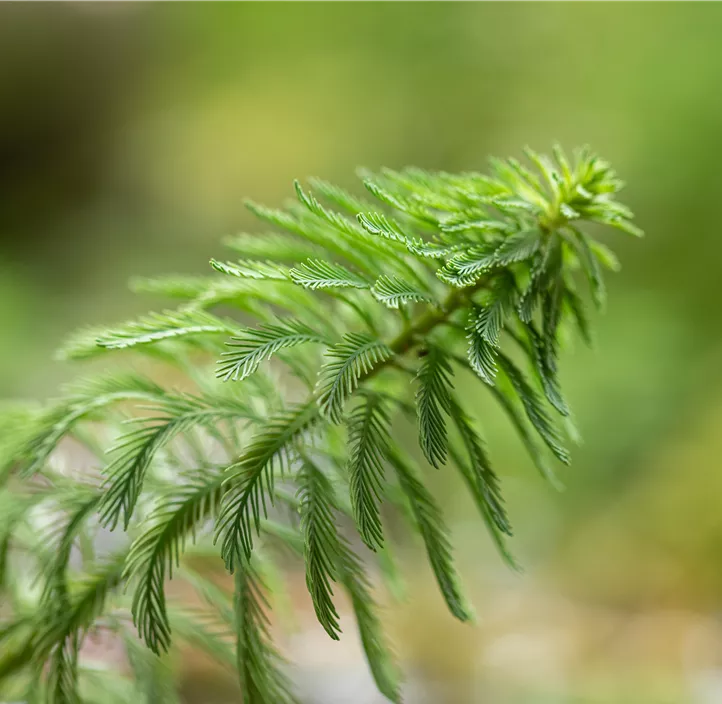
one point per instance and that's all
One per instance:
(416, 292)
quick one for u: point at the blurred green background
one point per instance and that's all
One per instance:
(130, 135)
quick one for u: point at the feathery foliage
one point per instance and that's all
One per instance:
(256, 345)
(158, 548)
(432, 405)
(252, 477)
(368, 437)
(351, 360)
(258, 663)
(393, 292)
(434, 533)
(322, 549)
(434, 276)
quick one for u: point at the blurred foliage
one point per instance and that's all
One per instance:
(130, 134)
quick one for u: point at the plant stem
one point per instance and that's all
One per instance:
(431, 318)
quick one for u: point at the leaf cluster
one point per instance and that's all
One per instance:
(367, 312)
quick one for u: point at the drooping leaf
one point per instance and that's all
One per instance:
(535, 411)
(368, 437)
(321, 544)
(82, 400)
(545, 365)
(259, 665)
(481, 478)
(591, 267)
(157, 550)
(349, 362)
(434, 533)
(135, 450)
(516, 416)
(251, 479)
(379, 657)
(482, 353)
(432, 405)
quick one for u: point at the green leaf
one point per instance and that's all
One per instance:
(546, 370)
(429, 250)
(517, 248)
(207, 630)
(135, 450)
(315, 232)
(379, 225)
(410, 207)
(435, 535)
(272, 246)
(19, 427)
(258, 663)
(432, 405)
(349, 362)
(78, 503)
(393, 292)
(155, 327)
(157, 550)
(482, 353)
(321, 543)
(591, 268)
(340, 197)
(606, 257)
(154, 677)
(339, 222)
(480, 476)
(467, 267)
(535, 411)
(622, 224)
(368, 438)
(547, 170)
(254, 345)
(175, 286)
(62, 673)
(86, 602)
(516, 416)
(545, 269)
(489, 318)
(576, 308)
(379, 658)
(251, 480)
(250, 269)
(82, 400)
(317, 274)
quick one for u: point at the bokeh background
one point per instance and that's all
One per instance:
(130, 135)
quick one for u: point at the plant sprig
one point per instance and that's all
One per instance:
(437, 275)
